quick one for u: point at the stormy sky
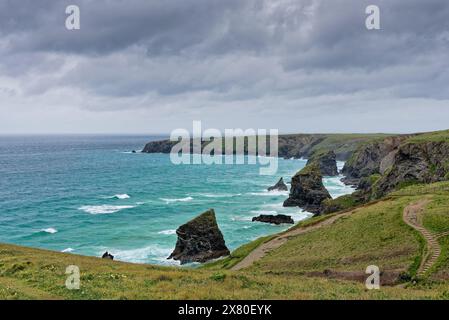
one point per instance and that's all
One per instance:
(147, 66)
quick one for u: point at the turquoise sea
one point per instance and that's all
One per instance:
(88, 194)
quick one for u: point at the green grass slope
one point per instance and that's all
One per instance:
(370, 235)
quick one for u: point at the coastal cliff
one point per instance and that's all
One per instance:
(371, 158)
(415, 162)
(380, 167)
(296, 145)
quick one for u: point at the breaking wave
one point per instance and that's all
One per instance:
(103, 209)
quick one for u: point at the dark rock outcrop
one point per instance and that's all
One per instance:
(327, 161)
(280, 185)
(371, 158)
(274, 219)
(107, 255)
(307, 190)
(199, 240)
(420, 162)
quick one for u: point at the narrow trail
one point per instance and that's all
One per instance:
(276, 242)
(412, 217)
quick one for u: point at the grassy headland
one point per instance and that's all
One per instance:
(373, 234)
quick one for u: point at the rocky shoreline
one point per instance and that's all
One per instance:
(295, 146)
(376, 168)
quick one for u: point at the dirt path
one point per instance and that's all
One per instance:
(412, 216)
(266, 247)
(27, 290)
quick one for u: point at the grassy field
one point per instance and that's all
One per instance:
(371, 235)
(375, 235)
(435, 136)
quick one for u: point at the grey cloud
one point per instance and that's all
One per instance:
(195, 57)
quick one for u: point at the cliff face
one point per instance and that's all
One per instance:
(371, 158)
(295, 145)
(307, 190)
(381, 166)
(161, 146)
(422, 162)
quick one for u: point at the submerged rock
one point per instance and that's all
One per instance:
(307, 189)
(280, 185)
(274, 219)
(327, 161)
(107, 255)
(199, 240)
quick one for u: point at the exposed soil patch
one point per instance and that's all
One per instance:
(387, 278)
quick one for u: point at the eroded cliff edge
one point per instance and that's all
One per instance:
(296, 145)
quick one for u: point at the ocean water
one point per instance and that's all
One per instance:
(90, 194)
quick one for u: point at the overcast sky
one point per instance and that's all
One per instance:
(146, 66)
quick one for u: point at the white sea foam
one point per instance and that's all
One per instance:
(272, 193)
(167, 232)
(142, 255)
(274, 205)
(337, 188)
(167, 200)
(219, 195)
(300, 215)
(264, 212)
(49, 230)
(103, 209)
(241, 218)
(121, 196)
(68, 250)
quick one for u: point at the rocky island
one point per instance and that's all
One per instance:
(199, 240)
(279, 186)
(307, 189)
(274, 219)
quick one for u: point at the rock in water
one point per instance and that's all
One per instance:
(327, 161)
(274, 219)
(307, 190)
(107, 255)
(280, 185)
(199, 240)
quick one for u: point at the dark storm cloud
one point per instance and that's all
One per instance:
(301, 56)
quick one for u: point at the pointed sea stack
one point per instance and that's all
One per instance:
(280, 186)
(199, 240)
